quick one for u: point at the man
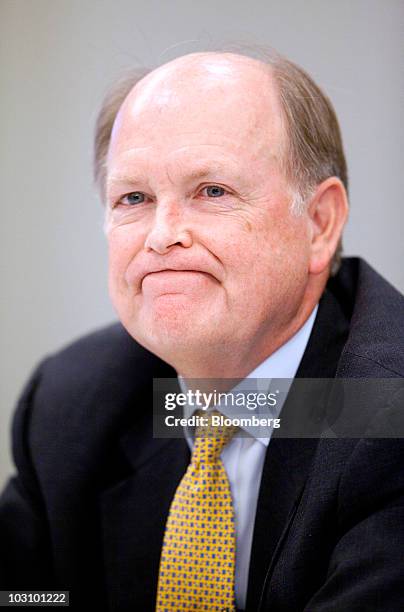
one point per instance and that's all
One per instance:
(225, 190)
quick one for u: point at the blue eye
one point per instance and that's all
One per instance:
(214, 191)
(136, 197)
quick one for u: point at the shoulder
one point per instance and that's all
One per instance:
(80, 400)
(106, 357)
(375, 344)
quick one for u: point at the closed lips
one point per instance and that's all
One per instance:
(142, 267)
(179, 270)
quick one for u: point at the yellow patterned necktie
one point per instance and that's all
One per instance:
(198, 556)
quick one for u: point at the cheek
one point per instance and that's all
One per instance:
(123, 246)
(287, 258)
(277, 251)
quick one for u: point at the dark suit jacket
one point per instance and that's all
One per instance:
(87, 508)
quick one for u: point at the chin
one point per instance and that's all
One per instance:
(175, 332)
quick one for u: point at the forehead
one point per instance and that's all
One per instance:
(218, 106)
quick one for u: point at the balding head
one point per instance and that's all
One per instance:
(216, 75)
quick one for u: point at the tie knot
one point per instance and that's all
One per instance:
(211, 439)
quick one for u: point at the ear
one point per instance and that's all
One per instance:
(328, 212)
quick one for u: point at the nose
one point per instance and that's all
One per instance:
(168, 229)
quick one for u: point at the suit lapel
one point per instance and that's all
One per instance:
(282, 482)
(134, 504)
(134, 512)
(287, 461)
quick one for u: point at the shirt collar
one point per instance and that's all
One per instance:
(282, 364)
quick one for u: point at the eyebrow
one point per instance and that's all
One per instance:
(197, 172)
(205, 170)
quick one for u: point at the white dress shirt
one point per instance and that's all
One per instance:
(243, 457)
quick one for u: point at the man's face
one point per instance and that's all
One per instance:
(204, 252)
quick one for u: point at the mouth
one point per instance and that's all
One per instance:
(170, 272)
(171, 281)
